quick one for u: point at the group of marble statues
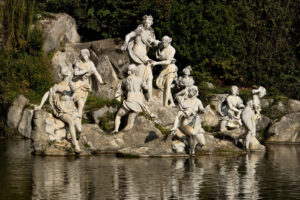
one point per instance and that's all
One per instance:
(234, 114)
(67, 98)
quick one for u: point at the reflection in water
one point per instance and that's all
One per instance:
(273, 174)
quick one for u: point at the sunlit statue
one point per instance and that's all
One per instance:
(134, 102)
(251, 114)
(63, 106)
(83, 69)
(165, 54)
(230, 110)
(185, 81)
(188, 119)
(137, 43)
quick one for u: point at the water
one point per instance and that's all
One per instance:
(274, 174)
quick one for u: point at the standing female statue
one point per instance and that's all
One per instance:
(83, 69)
(251, 114)
(63, 106)
(137, 43)
(165, 54)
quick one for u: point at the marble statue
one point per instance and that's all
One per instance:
(188, 119)
(134, 102)
(83, 69)
(165, 54)
(137, 43)
(63, 106)
(251, 114)
(185, 81)
(230, 110)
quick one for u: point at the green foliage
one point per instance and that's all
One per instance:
(105, 122)
(94, 102)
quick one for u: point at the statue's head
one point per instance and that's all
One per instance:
(166, 40)
(85, 54)
(147, 21)
(187, 70)
(261, 91)
(132, 69)
(234, 90)
(193, 91)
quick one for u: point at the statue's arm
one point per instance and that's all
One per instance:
(201, 107)
(96, 73)
(128, 37)
(119, 92)
(44, 99)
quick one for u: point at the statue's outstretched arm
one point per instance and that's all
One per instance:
(44, 99)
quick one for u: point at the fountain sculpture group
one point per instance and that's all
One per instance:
(67, 98)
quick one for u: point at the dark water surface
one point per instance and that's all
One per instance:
(271, 175)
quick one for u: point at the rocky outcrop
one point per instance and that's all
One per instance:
(15, 112)
(281, 108)
(286, 130)
(58, 29)
(25, 127)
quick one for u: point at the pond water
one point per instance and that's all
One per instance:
(274, 174)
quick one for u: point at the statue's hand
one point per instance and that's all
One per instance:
(124, 46)
(173, 131)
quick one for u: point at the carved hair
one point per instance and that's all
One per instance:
(167, 38)
(85, 51)
(261, 91)
(147, 17)
(234, 87)
(187, 68)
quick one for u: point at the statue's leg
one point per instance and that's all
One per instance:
(78, 127)
(130, 121)
(201, 139)
(179, 115)
(223, 125)
(121, 112)
(80, 105)
(150, 89)
(168, 95)
(70, 121)
(192, 144)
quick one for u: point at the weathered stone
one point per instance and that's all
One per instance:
(209, 85)
(15, 111)
(266, 103)
(287, 130)
(210, 117)
(62, 59)
(58, 28)
(284, 107)
(293, 106)
(95, 115)
(263, 123)
(25, 127)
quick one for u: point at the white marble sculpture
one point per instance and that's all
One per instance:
(165, 54)
(63, 106)
(251, 114)
(137, 43)
(83, 69)
(230, 110)
(188, 119)
(134, 102)
(186, 81)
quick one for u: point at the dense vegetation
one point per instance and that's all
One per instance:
(247, 43)
(24, 69)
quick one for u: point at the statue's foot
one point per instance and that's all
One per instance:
(114, 131)
(127, 128)
(77, 150)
